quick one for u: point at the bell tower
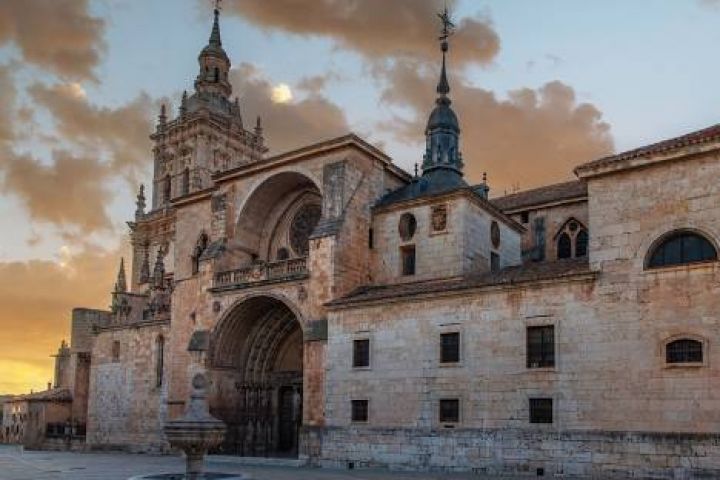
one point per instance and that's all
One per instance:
(214, 64)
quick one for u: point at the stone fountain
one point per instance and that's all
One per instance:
(196, 431)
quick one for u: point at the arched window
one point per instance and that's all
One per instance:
(572, 240)
(564, 246)
(282, 254)
(581, 244)
(159, 359)
(684, 350)
(216, 76)
(200, 247)
(680, 248)
(186, 181)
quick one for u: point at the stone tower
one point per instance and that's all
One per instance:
(207, 135)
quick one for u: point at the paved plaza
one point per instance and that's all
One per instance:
(34, 465)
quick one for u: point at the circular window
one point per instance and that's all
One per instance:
(302, 226)
(495, 234)
(573, 226)
(407, 226)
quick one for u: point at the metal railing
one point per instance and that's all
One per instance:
(283, 269)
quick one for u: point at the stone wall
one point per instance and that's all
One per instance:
(126, 407)
(594, 454)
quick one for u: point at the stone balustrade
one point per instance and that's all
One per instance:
(290, 269)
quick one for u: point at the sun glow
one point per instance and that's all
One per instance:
(281, 93)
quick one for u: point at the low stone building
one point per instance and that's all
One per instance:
(362, 316)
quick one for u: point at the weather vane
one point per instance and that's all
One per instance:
(217, 4)
(448, 25)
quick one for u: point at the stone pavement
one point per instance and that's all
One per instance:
(31, 465)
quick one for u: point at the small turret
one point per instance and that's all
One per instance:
(159, 271)
(140, 203)
(145, 267)
(259, 132)
(183, 104)
(162, 119)
(121, 283)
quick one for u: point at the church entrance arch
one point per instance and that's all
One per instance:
(257, 367)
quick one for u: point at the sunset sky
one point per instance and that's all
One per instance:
(539, 87)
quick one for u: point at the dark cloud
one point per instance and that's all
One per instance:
(57, 35)
(374, 28)
(69, 191)
(122, 132)
(533, 137)
(37, 298)
(292, 124)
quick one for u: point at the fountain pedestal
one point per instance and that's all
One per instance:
(196, 431)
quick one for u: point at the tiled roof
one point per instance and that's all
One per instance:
(507, 276)
(52, 395)
(542, 195)
(694, 138)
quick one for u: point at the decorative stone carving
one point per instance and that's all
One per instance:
(302, 226)
(438, 218)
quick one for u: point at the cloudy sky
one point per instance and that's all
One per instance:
(539, 86)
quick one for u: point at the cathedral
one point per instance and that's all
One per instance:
(355, 315)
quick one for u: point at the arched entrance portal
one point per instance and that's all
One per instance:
(257, 369)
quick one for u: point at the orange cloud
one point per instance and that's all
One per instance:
(374, 28)
(57, 35)
(69, 191)
(37, 298)
(123, 131)
(290, 124)
(532, 138)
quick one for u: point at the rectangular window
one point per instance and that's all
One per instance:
(449, 347)
(361, 353)
(115, 351)
(449, 410)
(541, 346)
(541, 410)
(371, 239)
(407, 253)
(524, 217)
(359, 410)
(494, 262)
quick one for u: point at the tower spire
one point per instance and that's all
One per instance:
(121, 283)
(214, 63)
(442, 159)
(215, 40)
(443, 87)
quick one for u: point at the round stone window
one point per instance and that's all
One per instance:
(495, 234)
(302, 226)
(407, 226)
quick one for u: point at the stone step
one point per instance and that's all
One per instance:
(256, 461)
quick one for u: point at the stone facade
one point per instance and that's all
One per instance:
(331, 283)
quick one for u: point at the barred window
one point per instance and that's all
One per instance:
(684, 350)
(449, 410)
(541, 346)
(361, 353)
(450, 347)
(359, 410)
(541, 410)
